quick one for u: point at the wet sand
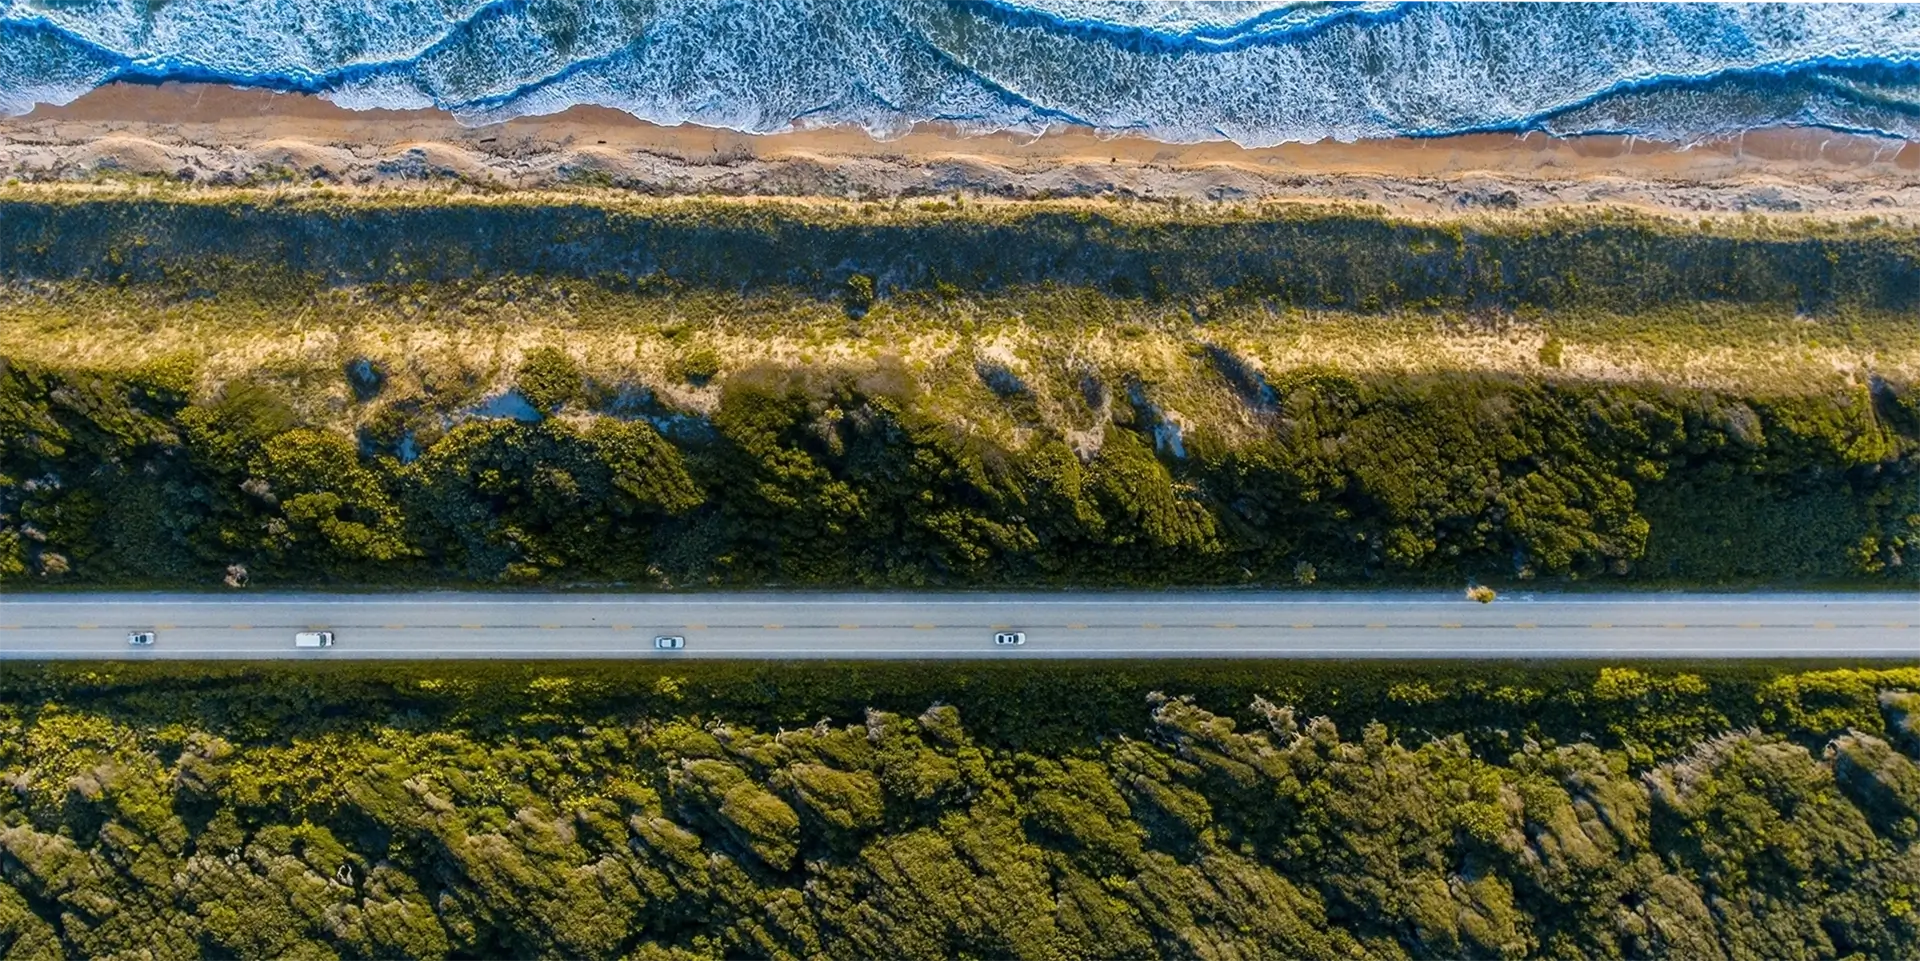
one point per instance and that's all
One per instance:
(220, 135)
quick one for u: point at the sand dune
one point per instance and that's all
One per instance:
(212, 134)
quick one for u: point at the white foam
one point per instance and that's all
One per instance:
(1257, 74)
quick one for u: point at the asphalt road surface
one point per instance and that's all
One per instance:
(1077, 625)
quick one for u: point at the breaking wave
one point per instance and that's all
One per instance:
(1257, 74)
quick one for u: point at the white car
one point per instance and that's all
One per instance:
(669, 642)
(140, 638)
(313, 639)
(1010, 637)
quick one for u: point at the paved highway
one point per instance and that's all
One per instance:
(1079, 625)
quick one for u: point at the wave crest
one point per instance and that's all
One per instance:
(1257, 74)
(1197, 22)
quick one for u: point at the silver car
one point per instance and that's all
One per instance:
(669, 642)
(1010, 637)
(140, 638)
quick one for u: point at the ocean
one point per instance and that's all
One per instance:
(1253, 73)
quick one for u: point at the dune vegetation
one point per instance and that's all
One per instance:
(327, 387)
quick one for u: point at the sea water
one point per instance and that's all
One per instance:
(1253, 73)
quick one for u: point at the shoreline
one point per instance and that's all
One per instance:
(210, 134)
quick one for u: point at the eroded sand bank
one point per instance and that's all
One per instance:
(215, 134)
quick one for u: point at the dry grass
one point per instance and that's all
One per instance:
(445, 348)
(294, 190)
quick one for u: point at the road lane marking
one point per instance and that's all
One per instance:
(1602, 626)
(923, 627)
(1526, 625)
(1823, 625)
(1749, 625)
(1376, 627)
(9, 627)
(1149, 626)
(849, 627)
(472, 627)
(1226, 627)
(87, 627)
(1898, 627)
(1451, 627)
(1076, 627)
(1303, 627)
(1676, 627)
(163, 627)
(770, 627)
(549, 627)
(696, 627)
(243, 627)
(623, 627)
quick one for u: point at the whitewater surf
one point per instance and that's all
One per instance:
(1255, 74)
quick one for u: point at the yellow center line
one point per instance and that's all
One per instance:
(1149, 627)
(1303, 627)
(623, 627)
(1676, 627)
(1749, 625)
(1451, 627)
(923, 627)
(1226, 627)
(9, 627)
(1898, 627)
(471, 627)
(86, 627)
(1602, 626)
(1526, 625)
(1823, 625)
(771, 627)
(1376, 627)
(849, 627)
(1076, 627)
(243, 627)
(402, 627)
(696, 627)
(163, 627)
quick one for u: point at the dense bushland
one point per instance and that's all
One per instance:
(1308, 256)
(840, 478)
(707, 810)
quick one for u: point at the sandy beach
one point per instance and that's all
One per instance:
(221, 135)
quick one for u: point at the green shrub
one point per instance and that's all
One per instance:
(697, 365)
(1552, 352)
(860, 293)
(549, 379)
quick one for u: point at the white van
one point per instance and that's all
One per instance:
(313, 639)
